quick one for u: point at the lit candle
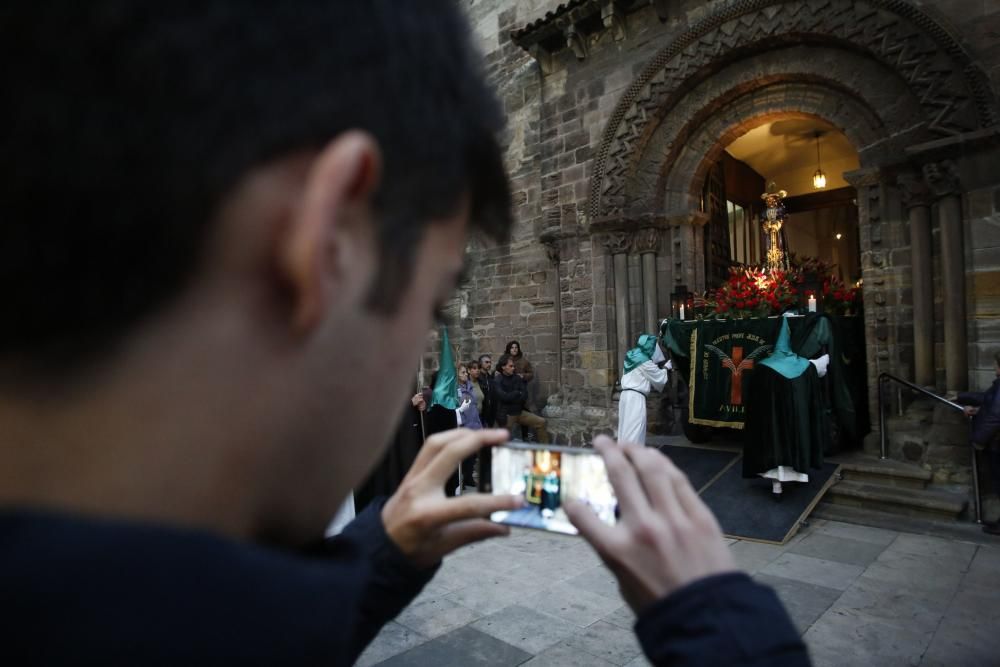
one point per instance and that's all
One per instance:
(812, 304)
(682, 311)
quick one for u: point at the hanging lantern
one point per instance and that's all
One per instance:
(819, 178)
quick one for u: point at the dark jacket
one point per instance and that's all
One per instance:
(489, 413)
(80, 590)
(727, 619)
(986, 423)
(511, 394)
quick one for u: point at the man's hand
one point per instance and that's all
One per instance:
(970, 411)
(426, 525)
(665, 538)
(418, 401)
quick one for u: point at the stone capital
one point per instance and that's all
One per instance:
(913, 190)
(617, 243)
(942, 178)
(647, 240)
(863, 177)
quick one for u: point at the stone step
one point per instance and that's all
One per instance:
(965, 531)
(929, 503)
(871, 470)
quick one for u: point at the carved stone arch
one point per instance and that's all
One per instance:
(953, 93)
(786, 80)
(684, 168)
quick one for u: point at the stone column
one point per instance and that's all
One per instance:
(647, 244)
(618, 244)
(917, 199)
(551, 241)
(943, 181)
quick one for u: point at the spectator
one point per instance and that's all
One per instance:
(521, 364)
(486, 401)
(984, 409)
(511, 394)
(486, 364)
(470, 419)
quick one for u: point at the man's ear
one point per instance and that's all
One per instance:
(314, 250)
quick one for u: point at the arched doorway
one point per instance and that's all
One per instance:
(804, 157)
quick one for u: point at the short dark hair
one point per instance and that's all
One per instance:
(485, 356)
(126, 124)
(504, 358)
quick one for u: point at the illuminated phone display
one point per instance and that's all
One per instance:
(548, 477)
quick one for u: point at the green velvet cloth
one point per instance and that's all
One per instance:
(787, 422)
(845, 386)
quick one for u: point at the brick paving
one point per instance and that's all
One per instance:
(859, 595)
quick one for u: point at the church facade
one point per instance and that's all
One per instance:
(619, 111)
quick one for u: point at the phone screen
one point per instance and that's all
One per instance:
(547, 477)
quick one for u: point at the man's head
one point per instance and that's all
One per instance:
(486, 363)
(278, 183)
(506, 364)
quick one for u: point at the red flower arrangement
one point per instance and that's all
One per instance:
(752, 291)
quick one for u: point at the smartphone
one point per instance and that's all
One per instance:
(547, 476)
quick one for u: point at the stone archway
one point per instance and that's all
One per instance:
(952, 94)
(883, 72)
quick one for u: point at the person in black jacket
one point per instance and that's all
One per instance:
(211, 288)
(512, 393)
(984, 409)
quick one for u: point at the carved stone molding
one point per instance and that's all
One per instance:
(861, 178)
(617, 243)
(575, 40)
(552, 240)
(954, 94)
(663, 220)
(647, 240)
(942, 178)
(913, 190)
(614, 19)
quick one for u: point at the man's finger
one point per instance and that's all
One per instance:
(465, 532)
(622, 474)
(471, 506)
(440, 467)
(659, 478)
(432, 447)
(592, 529)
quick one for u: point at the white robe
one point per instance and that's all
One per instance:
(632, 404)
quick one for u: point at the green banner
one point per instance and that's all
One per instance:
(723, 356)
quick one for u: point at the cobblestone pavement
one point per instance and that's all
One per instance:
(859, 595)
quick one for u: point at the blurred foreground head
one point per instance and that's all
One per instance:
(251, 207)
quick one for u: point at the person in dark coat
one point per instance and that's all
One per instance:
(402, 452)
(984, 409)
(511, 395)
(210, 291)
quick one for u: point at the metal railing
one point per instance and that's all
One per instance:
(883, 378)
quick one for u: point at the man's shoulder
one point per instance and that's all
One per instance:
(162, 587)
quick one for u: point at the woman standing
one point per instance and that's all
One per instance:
(469, 412)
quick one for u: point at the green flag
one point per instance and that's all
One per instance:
(446, 387)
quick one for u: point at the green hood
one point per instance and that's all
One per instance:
(782, 359)
(643, 352)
